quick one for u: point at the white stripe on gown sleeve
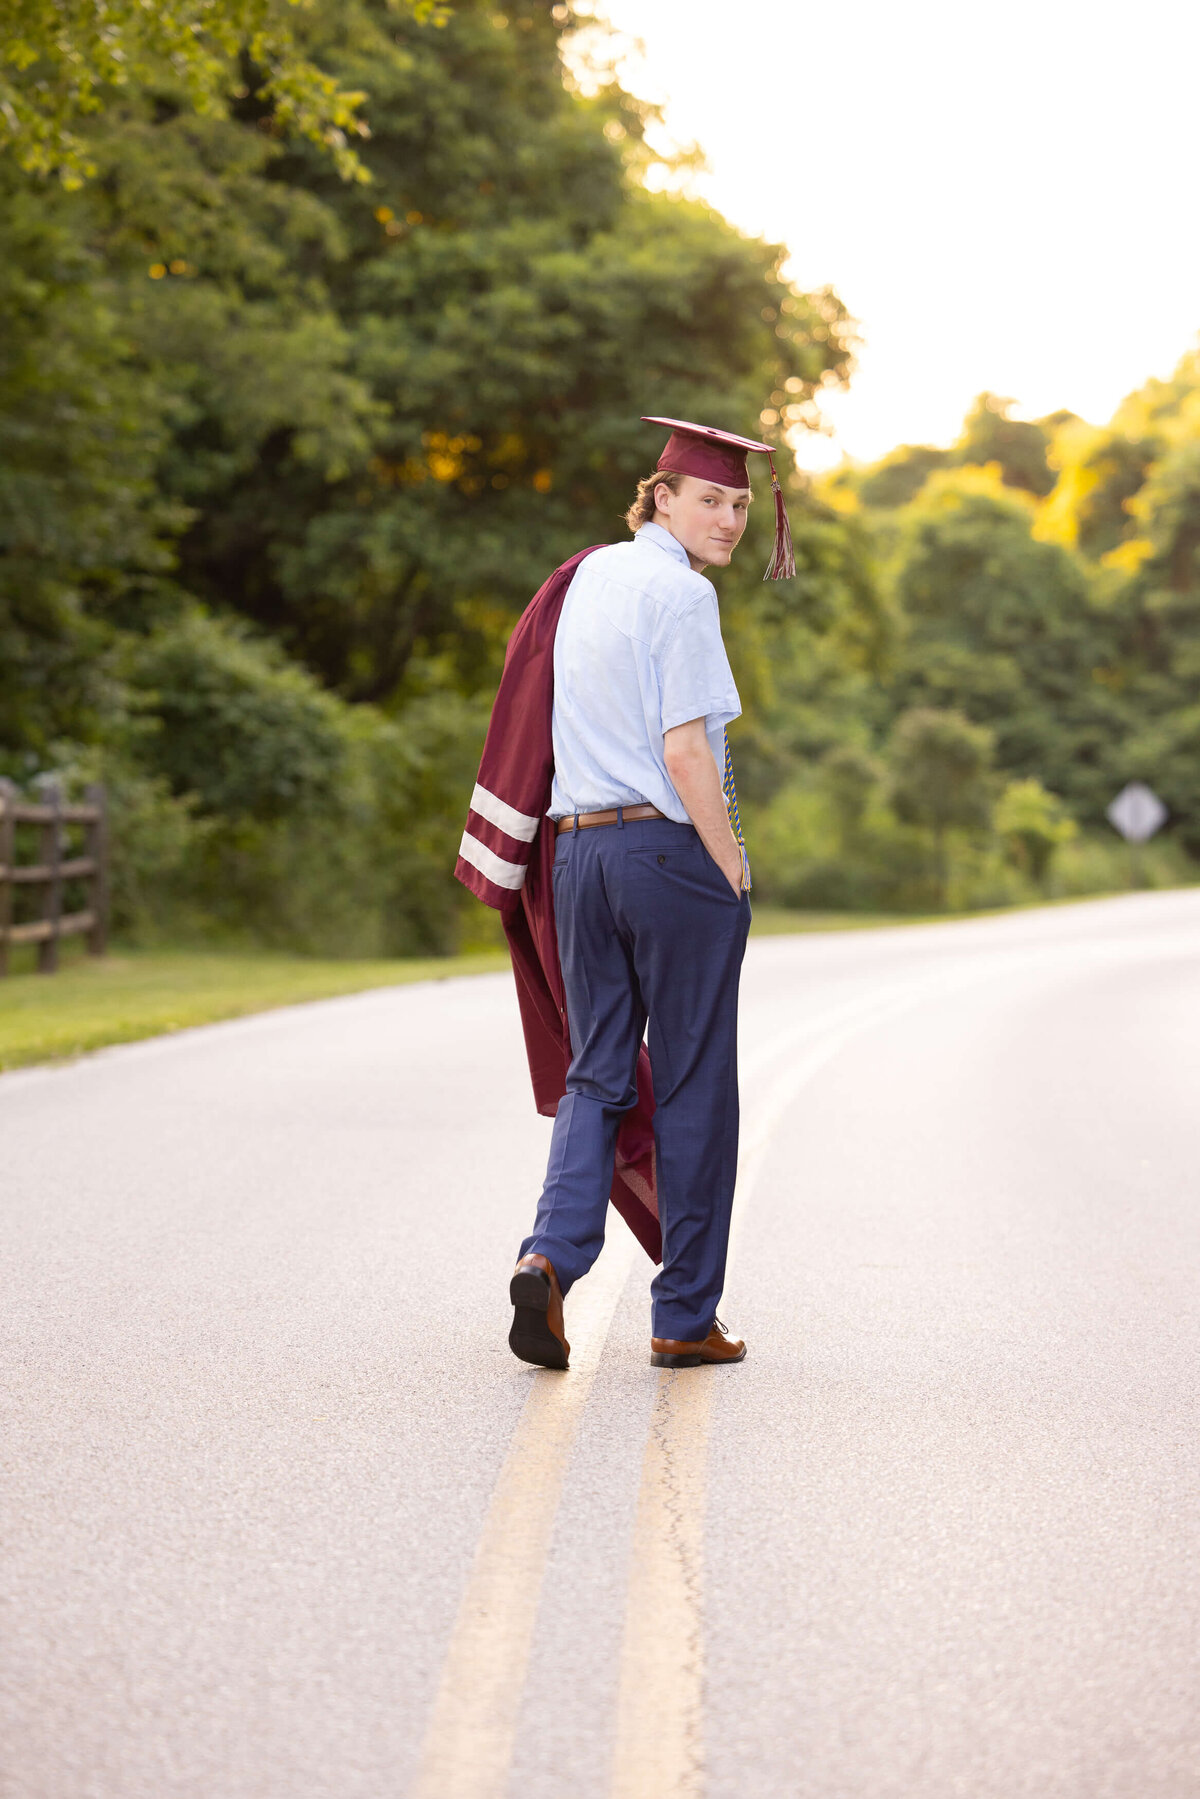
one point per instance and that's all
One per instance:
(497, 870)
(506, 818)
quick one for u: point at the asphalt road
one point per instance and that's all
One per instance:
(283, 1519)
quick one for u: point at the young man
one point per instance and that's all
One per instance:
(649, 882)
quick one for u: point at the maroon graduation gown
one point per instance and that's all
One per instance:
(506, 858)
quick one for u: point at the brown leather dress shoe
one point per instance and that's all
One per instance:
(718, 1346)
(537, 1333)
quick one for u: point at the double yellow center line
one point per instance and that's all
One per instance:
(658, 1749)
(469, 1740)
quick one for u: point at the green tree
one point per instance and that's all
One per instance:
(1152, 585)
(1097, 504)
(234, 727)
(899, 476)
(85, 533)
(1099, 475)
(388, 412)
(1158, 607)
(1066, 622)
(1168, 510)
(1033, 825)
(364, 421)
(1006, 629)
(1018, 448)
(399, 407)
(849, 778)
(940, 767)
(1166, 754)
(64, 60)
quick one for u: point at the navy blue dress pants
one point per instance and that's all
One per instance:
(649, 929)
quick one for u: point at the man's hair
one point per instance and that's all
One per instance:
(643, 509)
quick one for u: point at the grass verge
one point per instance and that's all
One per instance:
(132, 994)
(145, 993)
(777, 921)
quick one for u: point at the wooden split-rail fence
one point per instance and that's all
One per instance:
(52, 871)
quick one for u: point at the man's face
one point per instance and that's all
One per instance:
(707, 519)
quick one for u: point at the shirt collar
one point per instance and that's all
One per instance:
(661, 537)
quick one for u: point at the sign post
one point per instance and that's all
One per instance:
(1137, 813)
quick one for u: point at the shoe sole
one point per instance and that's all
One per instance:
(658, 1359)
(531, 1338)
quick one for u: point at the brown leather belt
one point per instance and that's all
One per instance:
(586, 820)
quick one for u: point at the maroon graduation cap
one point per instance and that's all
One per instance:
(720, 456)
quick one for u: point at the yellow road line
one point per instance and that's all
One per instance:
(468, 1744)
(659, 1738)
(659, 1747)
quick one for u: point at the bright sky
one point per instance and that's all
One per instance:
(1005, 196)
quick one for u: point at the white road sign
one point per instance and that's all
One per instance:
(1137, 812)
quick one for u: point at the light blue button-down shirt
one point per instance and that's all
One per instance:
(638, 650)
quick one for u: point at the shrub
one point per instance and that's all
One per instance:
(939, 766)
(1033, 824)
(249, 805)
(798, 858)
(235, 726)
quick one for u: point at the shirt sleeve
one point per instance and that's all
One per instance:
(695, 678)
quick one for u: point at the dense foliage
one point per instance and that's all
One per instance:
(59, 59)
(1044, 582)
(324, 336)
(282, 454)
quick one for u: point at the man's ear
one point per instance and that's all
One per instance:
(661, 489)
